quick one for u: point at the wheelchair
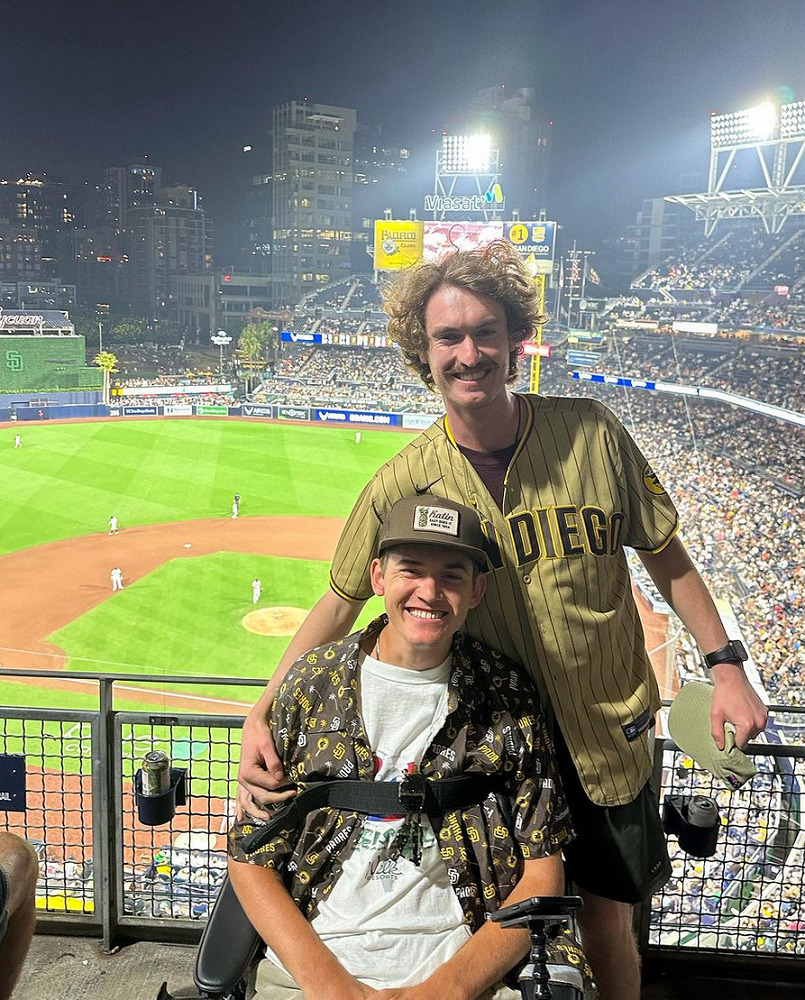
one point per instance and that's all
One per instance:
(230, 946)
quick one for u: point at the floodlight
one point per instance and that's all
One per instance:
(761, 120)
(792, 120)
(466, 154)
(478, 149)
(740, 128)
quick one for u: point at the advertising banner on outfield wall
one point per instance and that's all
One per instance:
(398, 244)
(293, 413)
(356, 417)
(140, 411)
(177, 410)
(251, 410)
(418, 421)
(212, 411)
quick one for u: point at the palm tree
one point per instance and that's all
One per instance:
(250, 348)
(107, 362)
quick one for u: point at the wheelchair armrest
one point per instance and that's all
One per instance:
(228, 945)
(546, 909)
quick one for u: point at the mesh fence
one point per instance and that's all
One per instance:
(58, 818)
(747, 898)
(750, 896)
(175, 870)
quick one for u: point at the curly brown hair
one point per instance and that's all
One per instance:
(494, 270)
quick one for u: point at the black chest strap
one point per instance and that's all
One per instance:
(414, 794)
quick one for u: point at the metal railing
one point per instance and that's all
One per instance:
(105, 874)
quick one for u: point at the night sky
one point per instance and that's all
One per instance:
(629, 85)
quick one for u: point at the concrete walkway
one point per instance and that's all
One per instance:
(72, 968)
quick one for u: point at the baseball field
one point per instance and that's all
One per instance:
(187, 564)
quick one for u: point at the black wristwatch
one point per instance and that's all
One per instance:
(733, 652)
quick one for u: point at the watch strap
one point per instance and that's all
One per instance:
(733, 652)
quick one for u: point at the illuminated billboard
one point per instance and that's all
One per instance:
(397, 244)
(445, 236)
(534, 242)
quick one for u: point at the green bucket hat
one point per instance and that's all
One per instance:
(689, 725)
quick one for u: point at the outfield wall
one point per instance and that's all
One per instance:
(37, 407)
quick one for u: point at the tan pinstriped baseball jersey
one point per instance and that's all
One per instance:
(558, 595)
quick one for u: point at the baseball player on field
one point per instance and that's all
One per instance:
(560, 488)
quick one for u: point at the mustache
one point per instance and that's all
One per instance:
(459, 369)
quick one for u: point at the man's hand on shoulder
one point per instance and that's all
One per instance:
(735, 701)
(260, 770)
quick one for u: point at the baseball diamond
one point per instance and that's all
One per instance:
(55, 495)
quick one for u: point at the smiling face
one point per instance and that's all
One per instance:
(427, 591)
(468, 347)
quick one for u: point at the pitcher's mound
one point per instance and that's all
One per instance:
(274, 621)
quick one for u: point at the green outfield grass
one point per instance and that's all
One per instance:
(185, 618)
(67, 479)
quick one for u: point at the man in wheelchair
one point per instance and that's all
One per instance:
(427, 794)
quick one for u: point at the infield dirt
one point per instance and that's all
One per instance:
(44, 588)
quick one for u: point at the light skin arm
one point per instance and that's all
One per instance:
(260, 769)
(734, 699)
(279, 922)
(493, 950)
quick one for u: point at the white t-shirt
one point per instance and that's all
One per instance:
(389, 922)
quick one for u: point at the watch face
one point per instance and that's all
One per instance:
(740, 650)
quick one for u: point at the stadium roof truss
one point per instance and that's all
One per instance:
(776, 135)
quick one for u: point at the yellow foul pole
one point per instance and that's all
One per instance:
(533, 382)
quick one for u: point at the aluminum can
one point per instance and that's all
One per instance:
(156, 773)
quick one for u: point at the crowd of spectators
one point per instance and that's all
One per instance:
(724, 263)
(189, 395)
(347, 378)
(743, 531)
(768, 372)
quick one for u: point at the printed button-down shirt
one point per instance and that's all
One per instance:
(492, 727)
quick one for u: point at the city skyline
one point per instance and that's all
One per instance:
(629, 93)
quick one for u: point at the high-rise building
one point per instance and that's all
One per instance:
(521, 132)
(128, 188)
(167, 240)
(311, 181)
(254, 237)
(33, 211)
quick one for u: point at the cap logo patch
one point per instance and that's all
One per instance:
(436, 519)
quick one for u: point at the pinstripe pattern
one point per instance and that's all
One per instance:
(577, 490)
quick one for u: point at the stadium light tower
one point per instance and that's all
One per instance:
(776, 135)
(467, 179)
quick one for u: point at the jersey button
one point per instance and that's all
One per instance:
(526, 579)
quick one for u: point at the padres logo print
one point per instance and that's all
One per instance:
(652, 482)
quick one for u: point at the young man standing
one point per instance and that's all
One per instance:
(354, 905)
(560, 487)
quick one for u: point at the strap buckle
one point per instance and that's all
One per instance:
(411, 792)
